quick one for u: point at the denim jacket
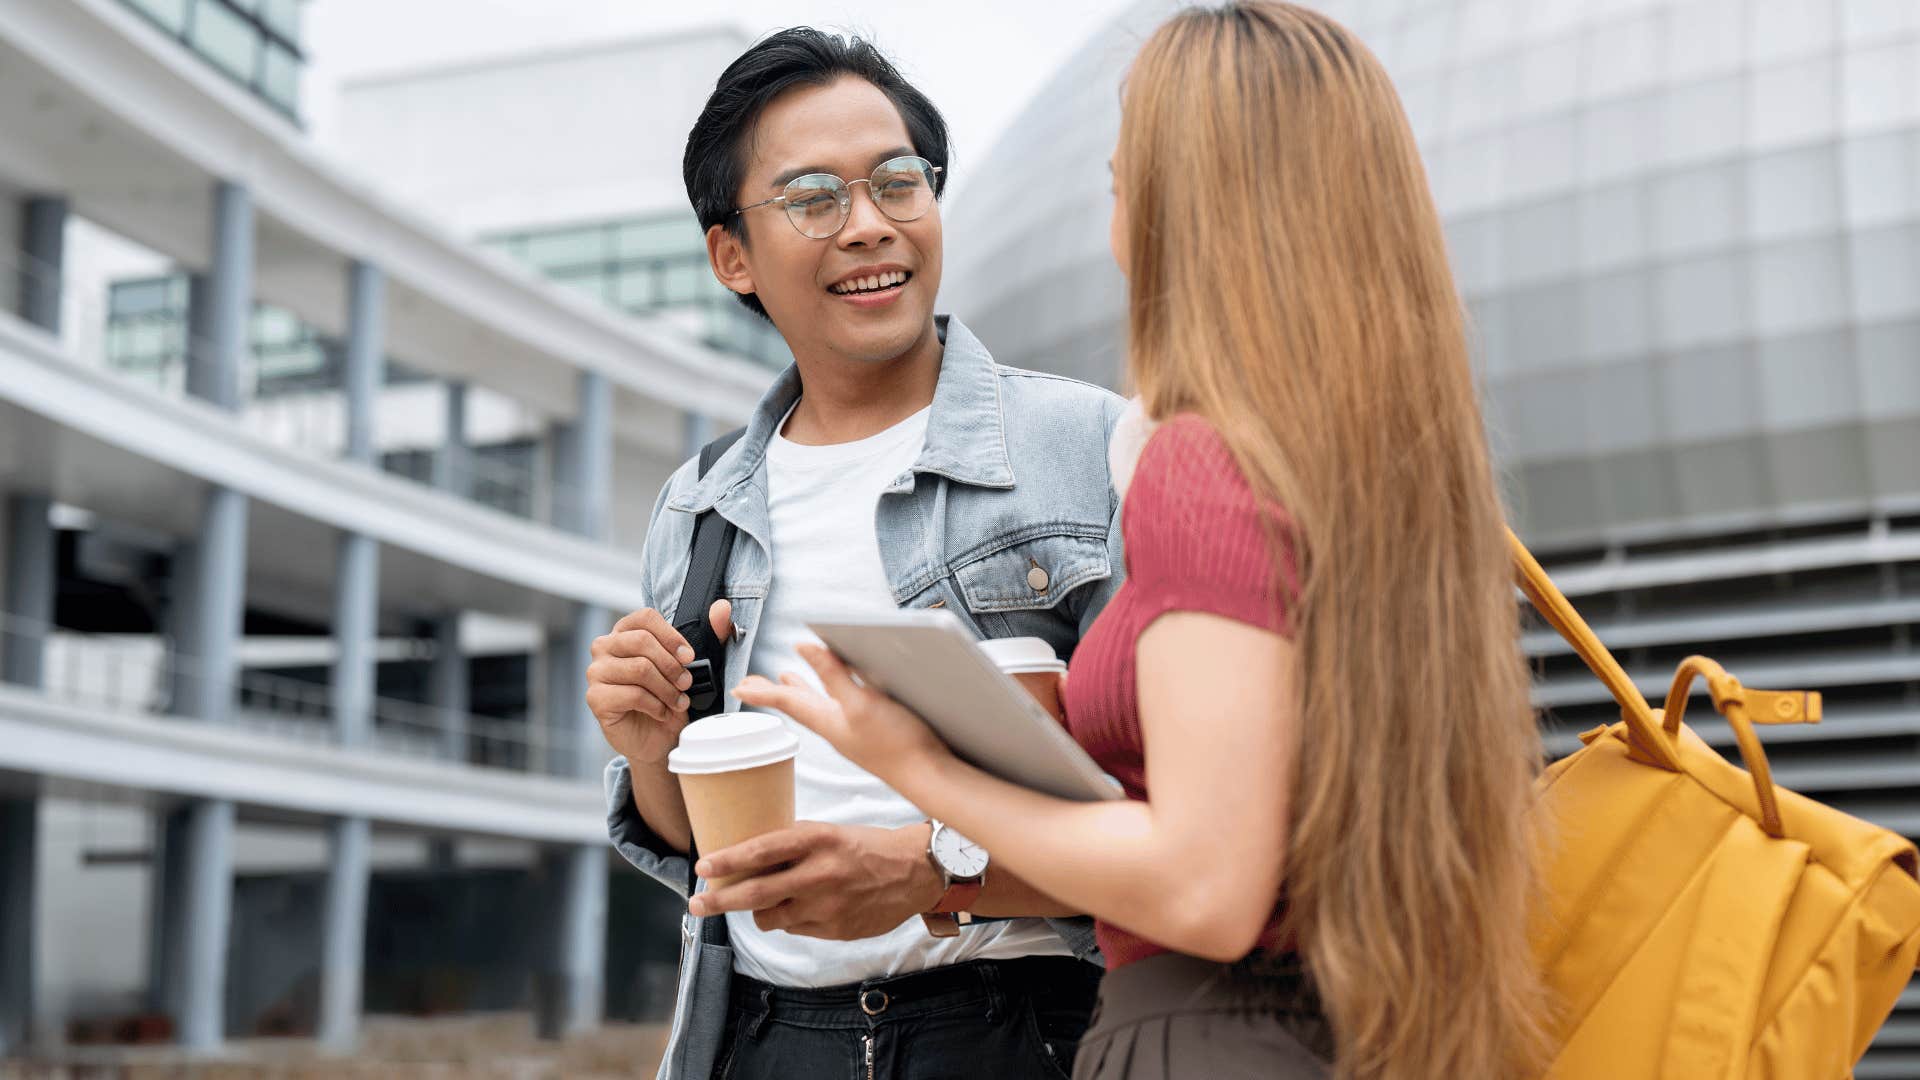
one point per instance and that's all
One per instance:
(1013, 476)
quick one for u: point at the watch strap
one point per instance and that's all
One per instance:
(959, 896)
(944, 924)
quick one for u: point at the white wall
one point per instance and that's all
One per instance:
(581, 134)
(92, 937)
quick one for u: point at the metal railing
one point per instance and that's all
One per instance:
(145, 673)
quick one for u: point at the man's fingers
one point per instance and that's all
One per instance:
(670, 638)
(640, 672)
(632, 620)
(753, 894)
(643, 645)
(721, 616)
(762, 852)
(612, 703)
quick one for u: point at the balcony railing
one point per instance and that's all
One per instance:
(145, 674)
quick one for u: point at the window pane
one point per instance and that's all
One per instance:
(660, 236)
(1799, 286)
(283, 18)
(1795, 192)
(568, 248)
(225, 38)
(131, 298)
(635, 289)
(171, 14)
(280, 78)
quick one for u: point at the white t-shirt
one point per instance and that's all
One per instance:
(821, 502)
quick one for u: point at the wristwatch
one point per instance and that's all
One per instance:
(963, 869)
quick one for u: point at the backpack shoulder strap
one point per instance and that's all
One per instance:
(713, 537)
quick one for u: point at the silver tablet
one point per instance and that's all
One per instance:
(929, 662)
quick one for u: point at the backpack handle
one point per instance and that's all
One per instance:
(1743, 708)
(1647, 735)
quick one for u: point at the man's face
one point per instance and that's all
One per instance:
(847, 128)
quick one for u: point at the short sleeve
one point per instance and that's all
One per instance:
(1197, 538)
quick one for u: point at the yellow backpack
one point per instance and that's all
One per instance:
(1700, 922)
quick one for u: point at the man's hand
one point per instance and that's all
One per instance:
(636, 682)
(839, 882)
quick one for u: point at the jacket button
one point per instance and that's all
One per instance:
(1038, 580)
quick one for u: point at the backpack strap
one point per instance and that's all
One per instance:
(1553, 605)
(713, 537)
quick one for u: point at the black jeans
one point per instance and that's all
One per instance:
(1004, 1020)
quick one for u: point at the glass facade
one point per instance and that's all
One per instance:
(648, 265)
(147, 336)
(256, 43)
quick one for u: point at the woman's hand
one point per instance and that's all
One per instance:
(871, 729)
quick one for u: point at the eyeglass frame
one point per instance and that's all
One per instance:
(933, 183)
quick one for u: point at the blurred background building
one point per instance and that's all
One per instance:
(310, 517)
(310, 475)
(1688, 232)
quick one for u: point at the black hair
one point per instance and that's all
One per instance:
(801, 56)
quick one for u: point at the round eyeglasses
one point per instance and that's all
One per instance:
(818, 204)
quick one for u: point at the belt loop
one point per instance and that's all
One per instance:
(760, 1015)
(990, 981)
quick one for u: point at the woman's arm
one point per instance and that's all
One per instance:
(1198, 867)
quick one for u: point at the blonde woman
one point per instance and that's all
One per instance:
(1309, 685)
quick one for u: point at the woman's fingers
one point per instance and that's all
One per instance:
(806, 707)
(834, 675)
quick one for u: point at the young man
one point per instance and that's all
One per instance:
(893, 466)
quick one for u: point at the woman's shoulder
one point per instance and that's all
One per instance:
(1188, 460)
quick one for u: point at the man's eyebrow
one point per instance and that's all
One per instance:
(788, 176)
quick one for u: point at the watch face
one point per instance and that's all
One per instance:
(961, 857)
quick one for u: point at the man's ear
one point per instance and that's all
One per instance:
(728, 256)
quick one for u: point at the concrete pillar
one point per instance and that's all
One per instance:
(574, 990)
(212, 615)
(24, 623)
(344, 932)
(452, 470)
(192, 975)
(207, 893)
(19, 873)
(43, 244)
(593, 455)
(563, 497)
(166, 976)
(560, 685)
(366, 356)
(448, 687)
(696, 431)
(356, 609)
(216, 353)
(31, 568)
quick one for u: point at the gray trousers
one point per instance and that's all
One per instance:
(1172, 1017)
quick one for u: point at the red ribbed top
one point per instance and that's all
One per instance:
(1194, 542)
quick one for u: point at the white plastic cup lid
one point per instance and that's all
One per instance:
(732, 741)
(1023, 655)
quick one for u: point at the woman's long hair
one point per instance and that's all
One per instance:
(1288, 281)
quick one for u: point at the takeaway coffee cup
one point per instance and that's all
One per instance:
(736, 773)
(1033, 664)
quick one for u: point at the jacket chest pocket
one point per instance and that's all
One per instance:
(1016, 590)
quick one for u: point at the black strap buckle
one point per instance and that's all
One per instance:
(705, 689)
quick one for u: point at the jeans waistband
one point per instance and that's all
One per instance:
(988, 984)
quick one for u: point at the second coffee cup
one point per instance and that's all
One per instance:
(736, 773)
(1034, 665)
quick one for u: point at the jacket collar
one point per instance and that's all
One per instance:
(966, 433)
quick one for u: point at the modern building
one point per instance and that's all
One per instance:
(1688, 233)
(567, 160)
(312, 506)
